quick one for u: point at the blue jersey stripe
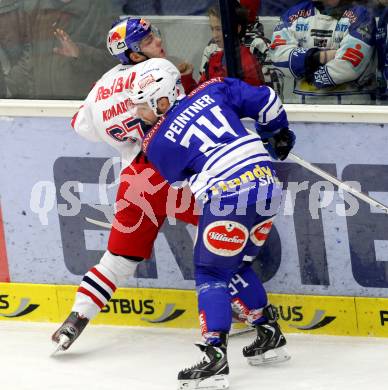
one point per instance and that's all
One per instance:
(222, 154)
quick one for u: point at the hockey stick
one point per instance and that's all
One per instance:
(241, 332)
(358, 194)
(320, 172)
(105, 225)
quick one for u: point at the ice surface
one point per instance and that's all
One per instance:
(120, 358)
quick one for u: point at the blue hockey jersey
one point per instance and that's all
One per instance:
(203, 141)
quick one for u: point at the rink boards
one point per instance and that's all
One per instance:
(328, 315)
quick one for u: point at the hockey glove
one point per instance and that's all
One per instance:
(311, 64)
(280, 144)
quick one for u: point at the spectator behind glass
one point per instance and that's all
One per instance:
(213, 62)
(68, 46)
(259, 45)
(328, 47)
(15, 50)
(382, 52)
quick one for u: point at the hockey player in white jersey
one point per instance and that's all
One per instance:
(328, 47)
(143, 198)
(201, 139)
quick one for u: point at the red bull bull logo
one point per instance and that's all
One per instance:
(118, 34)
(115, 37)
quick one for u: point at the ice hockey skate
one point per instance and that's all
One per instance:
(268, 347)
(210, 373)
(68, 332)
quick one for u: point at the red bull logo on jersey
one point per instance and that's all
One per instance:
(118, 85)
(225, 238)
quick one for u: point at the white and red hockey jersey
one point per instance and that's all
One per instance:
(107, 113)
(350, 30)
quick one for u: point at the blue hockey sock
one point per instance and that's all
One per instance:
(248, 295)
(215, 312)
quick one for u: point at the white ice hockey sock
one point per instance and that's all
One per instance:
(100, 283)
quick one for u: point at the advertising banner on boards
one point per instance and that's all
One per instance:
(57, 193)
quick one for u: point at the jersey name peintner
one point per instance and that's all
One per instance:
(186, 115)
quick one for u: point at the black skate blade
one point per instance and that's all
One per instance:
(216, 382)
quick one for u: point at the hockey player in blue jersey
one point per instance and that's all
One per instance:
(201, 140)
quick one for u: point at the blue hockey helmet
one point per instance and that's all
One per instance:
(126, 35)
